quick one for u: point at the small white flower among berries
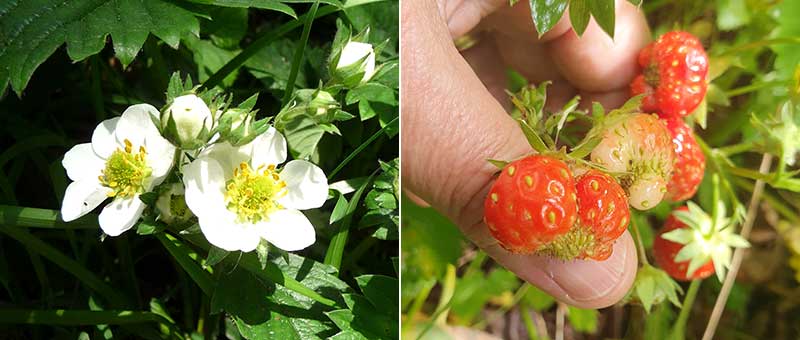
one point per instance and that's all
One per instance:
(240, 196)
(126, 158)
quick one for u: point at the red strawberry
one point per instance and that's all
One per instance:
(531, 202)
(665, 252)
(675, 75)
(690, 163)
(603, 208)
(638, 148)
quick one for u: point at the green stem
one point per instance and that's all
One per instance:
(38, 246)
(416, 306)
(298, 55)
(759, 44)
(448, 289)
(679, 328)
(262, 41)
(753, 87)
(183, 256)
(731, 150)
(533, 333)
(42, 218)
(639, 242)
(361, 148)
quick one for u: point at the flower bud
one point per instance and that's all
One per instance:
(187, 122)
(238, 126)
(171, 205)
(355, 58)
(322, 102)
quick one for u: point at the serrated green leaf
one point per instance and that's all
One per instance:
(381, 291)
(579, 15)
(33, 30)
(604, 14)
(273, 5)
(546, 13)
(373, 92)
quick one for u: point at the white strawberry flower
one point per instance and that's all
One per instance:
(240, 196)
(127, 157)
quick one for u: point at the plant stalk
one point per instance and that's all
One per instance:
(738, 254)
(679, 328)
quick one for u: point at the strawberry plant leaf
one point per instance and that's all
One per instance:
(603, 13)
(579, 15)
(33, 30)
(546, 13)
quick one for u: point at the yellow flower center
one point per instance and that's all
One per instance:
(125, 172)
(253, 193)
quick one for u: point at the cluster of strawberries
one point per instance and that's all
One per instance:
(553, 204)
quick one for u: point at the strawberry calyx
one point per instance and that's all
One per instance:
(653, 286)
(578, 242)
(707, 238)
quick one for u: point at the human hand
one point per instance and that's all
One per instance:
(453, 118)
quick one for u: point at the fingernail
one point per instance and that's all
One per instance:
(587, 280)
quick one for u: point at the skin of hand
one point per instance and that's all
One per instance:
(454, 118)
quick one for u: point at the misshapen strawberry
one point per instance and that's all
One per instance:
(532, 202)
(690, 163)
(603, 209)
(638, 149)
(675, 75)
(665, 252)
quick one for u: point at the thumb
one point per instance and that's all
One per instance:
(451, 126)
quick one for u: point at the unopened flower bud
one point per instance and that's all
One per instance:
(187, 122)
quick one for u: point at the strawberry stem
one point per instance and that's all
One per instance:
(679, 328)
(639, 242)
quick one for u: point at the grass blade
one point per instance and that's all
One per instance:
(361, 148)
(42, 218)
(298, 55)
(88, 278)
(264, 40)
(184, 257)
(336, 248)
